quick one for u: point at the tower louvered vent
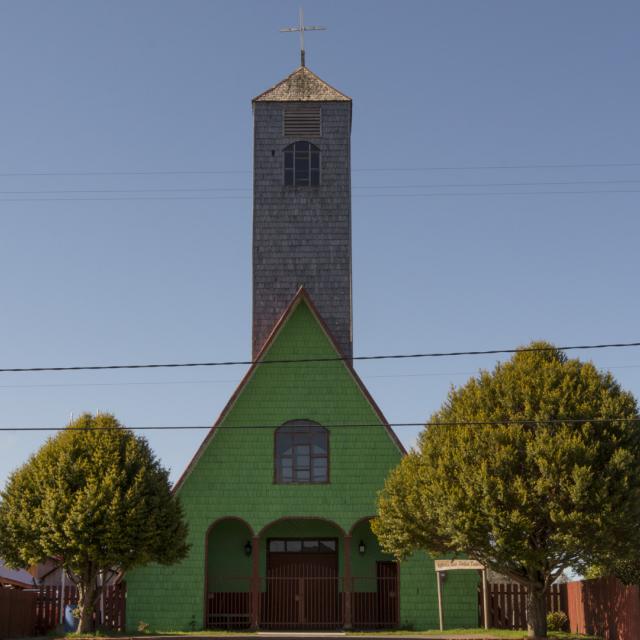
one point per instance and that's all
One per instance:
(302, 121)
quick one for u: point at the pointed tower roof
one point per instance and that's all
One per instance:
(302, 86)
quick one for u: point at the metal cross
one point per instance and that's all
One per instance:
(302, 28)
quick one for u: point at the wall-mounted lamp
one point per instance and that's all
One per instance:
(361, 547)
(247, 548)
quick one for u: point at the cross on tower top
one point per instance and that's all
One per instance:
(302, 28)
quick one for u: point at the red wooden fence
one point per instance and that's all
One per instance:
(17, 613)
(508, 606)
(229, 603)
(292, 598)
(375, 602)
(604, 607)
(47, 610)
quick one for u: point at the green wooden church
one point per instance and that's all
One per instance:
(280, 494)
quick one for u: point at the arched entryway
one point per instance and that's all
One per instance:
(302, 565)
(228, 570)
(298, 573)
(375, 598)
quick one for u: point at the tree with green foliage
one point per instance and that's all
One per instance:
(553, 483)
(96, 498)
(627, 570)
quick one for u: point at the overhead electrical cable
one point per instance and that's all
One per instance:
(439, 194)
(452, 185)
(128, 383)
(357, 196)
(478, 167)
(458, 423)
(482, 167)
(395, 356)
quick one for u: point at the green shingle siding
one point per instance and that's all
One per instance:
(419, 601)
(234, 477)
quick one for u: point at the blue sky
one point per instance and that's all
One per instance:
(115, 267)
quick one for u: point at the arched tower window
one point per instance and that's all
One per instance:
(302, 165)
(301, 453)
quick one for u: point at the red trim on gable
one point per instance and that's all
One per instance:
(239, 388)
(348, 363)
(299, 296)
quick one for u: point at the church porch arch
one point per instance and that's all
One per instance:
(228, 569)
(302, 571)
(376, 580)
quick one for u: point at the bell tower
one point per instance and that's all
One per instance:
(302, 204)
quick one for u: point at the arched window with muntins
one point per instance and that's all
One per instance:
(302, 165)
(301, 453)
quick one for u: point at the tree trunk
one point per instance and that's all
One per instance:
(536, 612)
(86, 600)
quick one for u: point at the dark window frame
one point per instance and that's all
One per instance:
(303, 430)
(301, 164)
(302, 550)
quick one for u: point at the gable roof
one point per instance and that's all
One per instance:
(302, 86)
(15, 577)
(301, 297)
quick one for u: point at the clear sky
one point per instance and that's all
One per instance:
(105, 261)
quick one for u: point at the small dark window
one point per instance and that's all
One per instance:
(277, 545)
(302, 165)
(302, 453)
(327, 545)
(304, 545)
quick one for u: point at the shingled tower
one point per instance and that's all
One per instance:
(285, 483)
(302, 204)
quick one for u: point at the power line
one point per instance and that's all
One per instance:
(490, 184)
(114, 384)
(481, 167)
(237, 380)
(457, 423)
(396, 356)
(152, 190)
(493, 193)
(443, 194)
(143, 172)
(148, 190)
(584, 165)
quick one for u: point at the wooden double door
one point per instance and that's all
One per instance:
(302, 590)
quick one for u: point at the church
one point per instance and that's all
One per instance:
(280, 495)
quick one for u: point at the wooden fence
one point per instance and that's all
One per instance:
(604, 607)
(48, 606)
(17, 613)
(508, 604)
(48, 601)
(290, 598)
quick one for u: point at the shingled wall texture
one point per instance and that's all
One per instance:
(233, 476)
(302, 235)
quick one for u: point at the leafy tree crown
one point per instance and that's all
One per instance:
(527, 497)
(93, 496)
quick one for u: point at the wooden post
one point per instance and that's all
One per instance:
(301, 602)
(101, 575)
(440, 612)
(62, 579)
(346, 588)
(485, 599)
(255, 583)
